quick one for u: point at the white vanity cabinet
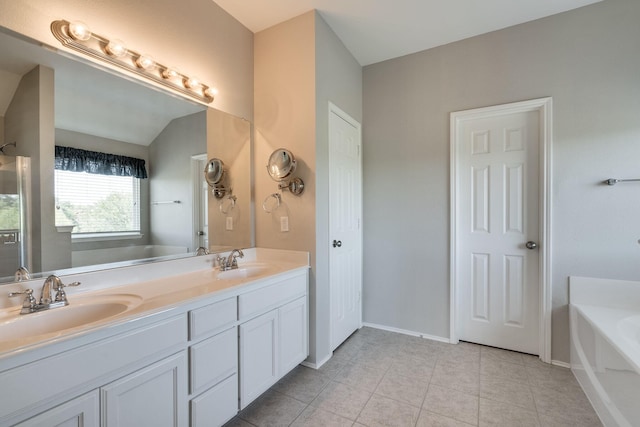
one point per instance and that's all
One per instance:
(83, 411)
(213, 363)
(191, 364)
(293, 334)
(274, 339)
(152, 396)
(258, 356)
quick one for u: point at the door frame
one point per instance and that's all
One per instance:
(543, 106)
(334, 109)
(196, 179)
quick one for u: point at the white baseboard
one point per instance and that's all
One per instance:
(317, 365)
(407, 332)
(560, 363)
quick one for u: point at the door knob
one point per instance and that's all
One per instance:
(200, 233)
(337, 243)
(531, 245)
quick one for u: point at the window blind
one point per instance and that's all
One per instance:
(97, 203)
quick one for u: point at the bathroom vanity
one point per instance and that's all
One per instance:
(192, 346)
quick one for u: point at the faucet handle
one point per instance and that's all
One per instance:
(29, 300)
(61, 295)
(221, 262)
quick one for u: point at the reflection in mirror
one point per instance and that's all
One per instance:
(230, 216)
(48, 100)
(214, 173)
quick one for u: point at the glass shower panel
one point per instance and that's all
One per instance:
(15, 214)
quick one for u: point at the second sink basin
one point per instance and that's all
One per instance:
(79, 312)
(244, 271)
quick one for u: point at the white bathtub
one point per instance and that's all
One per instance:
(127, 253)
(605, 346)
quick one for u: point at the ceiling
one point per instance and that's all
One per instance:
(377, 30)
(89, 99)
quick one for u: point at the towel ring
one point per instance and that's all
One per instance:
(230, 206)
(276, 206)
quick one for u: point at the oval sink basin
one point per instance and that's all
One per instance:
(244, 272)
(79, 312)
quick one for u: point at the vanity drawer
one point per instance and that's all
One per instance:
(213, 360)
(206, 320)
(262, 300)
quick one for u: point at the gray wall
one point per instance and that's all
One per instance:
(29, 121)
(588, 60)
(170, 179)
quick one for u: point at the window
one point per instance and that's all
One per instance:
(97, 203)
(97, 192)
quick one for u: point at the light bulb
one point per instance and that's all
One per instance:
(145, 62)
(170, 73)
(192, 83)
(116, 48)
(210, 92)
(79, 31)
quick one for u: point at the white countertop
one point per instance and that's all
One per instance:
(155, 288)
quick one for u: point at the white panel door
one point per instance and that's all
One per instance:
(345, 230)
(497, 269)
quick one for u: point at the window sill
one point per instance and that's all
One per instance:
(100, 237)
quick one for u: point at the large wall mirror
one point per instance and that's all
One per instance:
(49, 100)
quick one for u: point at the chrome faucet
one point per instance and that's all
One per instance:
(45, 293)
(52, 283)
(22, 274)
(202, 251)
(231, 261)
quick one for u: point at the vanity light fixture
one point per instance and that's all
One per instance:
(77, 36)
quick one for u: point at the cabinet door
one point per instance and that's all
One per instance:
(258, 356)
(83, 411)
(293, 325)
(216, 406)
(152, 396)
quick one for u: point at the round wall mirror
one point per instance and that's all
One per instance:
(214, 172)
(281, 164)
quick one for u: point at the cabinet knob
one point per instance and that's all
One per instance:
(337, 243)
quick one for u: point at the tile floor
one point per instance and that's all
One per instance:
(380, 378)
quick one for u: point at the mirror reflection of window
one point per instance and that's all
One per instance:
(9, 212)
(97, 192)
(97, 203)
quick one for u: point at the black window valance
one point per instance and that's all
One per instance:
(77, 160)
